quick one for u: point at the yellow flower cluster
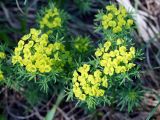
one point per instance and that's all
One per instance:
(35, 53)
(115, 61)
(116, 19)
(87, 84)
(51, 19)
(2, 55)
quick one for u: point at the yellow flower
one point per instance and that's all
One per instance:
(106, 56)
(104, 17)
(74, 79)
(43, 43)
(86, 67)
(101, 93)
(1, 75)
(103, 62)
(105, 24)
(30, 44)
(48, 51)
(116, 52)
(129, 56)
(26, 61)
(47, 68)
(117, 12)
(104, 82)
(123, 11)
(122, 50)
(57, 22)
(132, 50)
(117, 29)
(90, 78)
(109, 71)
(115, 63)
(97, 73)
(17, 51)
(35, 32)
(118, 69)
(21, 43)
(26, 37)
(112, 53)
(107, 44)
(82, 97)
(109, 16)
(130, 65)
(123, 69)
(16, 59)
(75, 74)
(111, 8)
(121, 22)
(31, 68)
(129, 22)
(112, 23)
(98, 52)
(76, 84)
(119, 41)
(2, 55)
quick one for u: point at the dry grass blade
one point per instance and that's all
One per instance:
(8, 18)
(19, 7)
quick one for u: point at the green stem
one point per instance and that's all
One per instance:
(50, 115)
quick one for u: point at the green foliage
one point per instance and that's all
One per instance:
(129, 98)
(84, 6)
(3, 117)
(82, 44)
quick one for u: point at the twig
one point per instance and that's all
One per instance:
(3, 89)
(19, 7)
(63, 113)
(148, 58)
(38, 114)
(6, 13)
(25, 2)
(71, 110)
(19, 117)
